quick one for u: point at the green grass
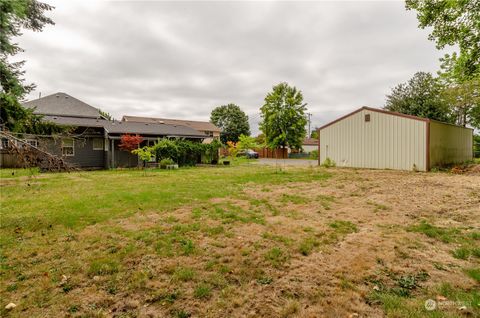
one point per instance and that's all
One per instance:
(445, 235)
(16, 173)
(173, 244)
(293, 198)
(103, 266)
(202, 291)
(378, 206)
(119, 233)
(343, 227)
(465, 238)
(474, 273)
(307, 245)
(277, 257)
(56, 202)
(325, 201)
(183, 274)
(461, 253)
(277, 238)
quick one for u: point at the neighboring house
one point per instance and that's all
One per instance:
(309, 145)
(375, 138)
(94, 141)
(209, 129)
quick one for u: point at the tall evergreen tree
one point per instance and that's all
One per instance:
(15, 15)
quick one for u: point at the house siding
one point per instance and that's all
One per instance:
(309, 148)
(385, 142)
(84, 155)
(124, 159)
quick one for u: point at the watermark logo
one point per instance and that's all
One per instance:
(430, 304)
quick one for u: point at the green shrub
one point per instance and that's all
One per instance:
(166, 162)
(166, 149)
(313, 154)
(329, 163)
(144, 154)
(186, 152)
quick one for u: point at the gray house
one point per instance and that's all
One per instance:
(93, 141)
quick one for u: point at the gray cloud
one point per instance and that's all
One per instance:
(181, 59)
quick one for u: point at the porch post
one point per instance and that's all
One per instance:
(113, 153)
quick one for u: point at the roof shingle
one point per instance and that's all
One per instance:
(119, 127)
(198, 125)
(62, 104)
(310, 141)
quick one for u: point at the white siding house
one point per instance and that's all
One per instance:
(375, 138)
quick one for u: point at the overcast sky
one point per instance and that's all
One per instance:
(181, 59)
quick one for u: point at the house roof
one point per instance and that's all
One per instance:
(62, 104)
(119, 127)
(198, 125)
(378, 110)
(310, 142)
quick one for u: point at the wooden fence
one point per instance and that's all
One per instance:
(263, 153)
(278, 153)
(9, 160)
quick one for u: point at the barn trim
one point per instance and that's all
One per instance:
(374, 110)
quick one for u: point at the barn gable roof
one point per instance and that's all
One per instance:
(378, 111)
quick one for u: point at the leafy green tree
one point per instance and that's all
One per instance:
(453, 22)
(105, 114)
(421, 96)
(314, 133)
(462, 91)
(246, 142)
(231, 120)
(476, 146)
(15, 15)
(464, 100)
(260, 140)
(283, 117)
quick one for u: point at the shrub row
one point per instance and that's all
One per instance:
(185, 152)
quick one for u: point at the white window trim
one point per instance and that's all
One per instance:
(29, 141)
(73, 149)
(99, 148)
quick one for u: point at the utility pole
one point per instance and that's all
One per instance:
(309, 121)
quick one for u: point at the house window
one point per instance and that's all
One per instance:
(4, 144)
(68, 146)
(367, 117)
(209, 133)
(32, 142)
(97, 144)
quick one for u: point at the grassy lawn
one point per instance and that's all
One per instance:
(239, 241)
